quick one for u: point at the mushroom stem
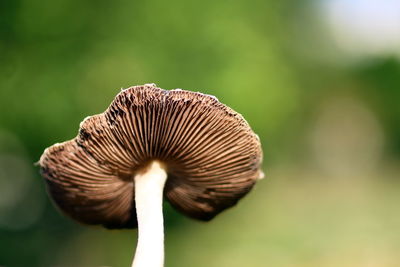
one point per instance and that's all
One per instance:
(149, 187)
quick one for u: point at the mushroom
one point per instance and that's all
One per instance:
(198, 153)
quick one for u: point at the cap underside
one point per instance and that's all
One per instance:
(212, 157)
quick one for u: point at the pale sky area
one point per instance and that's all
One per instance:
(364, 28)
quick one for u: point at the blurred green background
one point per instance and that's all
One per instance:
(319, 81)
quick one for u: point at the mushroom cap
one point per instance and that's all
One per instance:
(212, 157)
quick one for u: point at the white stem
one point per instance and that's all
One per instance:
(149, 187)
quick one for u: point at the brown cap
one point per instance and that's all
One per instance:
(211, 155)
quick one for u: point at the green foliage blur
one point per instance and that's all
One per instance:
(328, 118)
